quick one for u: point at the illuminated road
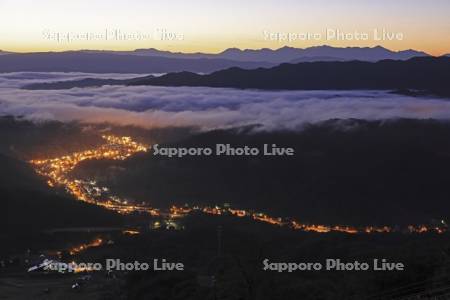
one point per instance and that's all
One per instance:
(56, 170)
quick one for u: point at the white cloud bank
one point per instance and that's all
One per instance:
(149, 106)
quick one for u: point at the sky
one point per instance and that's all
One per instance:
(212, 26)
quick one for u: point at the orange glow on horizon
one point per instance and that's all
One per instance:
(212, 26)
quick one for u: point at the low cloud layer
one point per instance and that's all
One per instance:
(207, 108)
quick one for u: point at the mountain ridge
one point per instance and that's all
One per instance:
(286, 53)
(92, 62)
(159, 61)
(420, 75)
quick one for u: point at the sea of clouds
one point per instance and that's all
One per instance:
(207, 108)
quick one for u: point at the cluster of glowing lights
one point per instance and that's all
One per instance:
(83, 247)
(114, 148)
(120, 148)
(318, 228)
(131, 232)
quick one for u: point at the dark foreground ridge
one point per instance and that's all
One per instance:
(420, 75)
